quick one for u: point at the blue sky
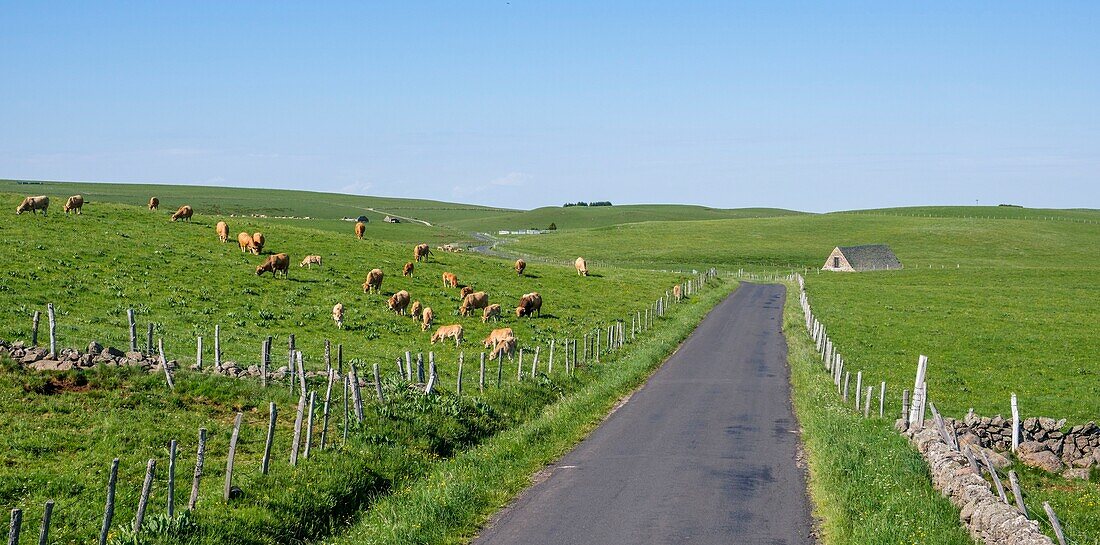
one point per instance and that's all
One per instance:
(797, 105)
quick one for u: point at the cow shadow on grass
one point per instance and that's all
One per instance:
(534, 276)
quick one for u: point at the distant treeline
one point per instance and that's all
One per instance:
(582, 203)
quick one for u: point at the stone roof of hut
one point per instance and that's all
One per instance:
(870, 257)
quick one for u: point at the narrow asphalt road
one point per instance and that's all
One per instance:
(704, 453)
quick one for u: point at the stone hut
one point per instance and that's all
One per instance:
(391, 219)
(869, 257)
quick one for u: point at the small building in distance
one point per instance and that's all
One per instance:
(391, 219)
(869, 257)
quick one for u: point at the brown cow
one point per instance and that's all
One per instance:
(426, 318)
(473, 302)
(453, 331)
(74, 204)
(676, 293)
(466, 290)
(310, 261)
(338, 315)
(223, 231)
(374, 281)
(154, 203)
(422, 251)
(520, 266)
(244, 240)
(507, 346)
(407, 270)
(529, 304)
(258, 242)
(450, 280)
(184, 213)
(582, 266)
(34, 204)
(359, 230)
(491, 311)
(398, 302)
(497, 336)
(415, 309)
(275, 263)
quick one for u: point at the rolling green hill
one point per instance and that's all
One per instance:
(579, 217)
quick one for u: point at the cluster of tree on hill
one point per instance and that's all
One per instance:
(582, 203)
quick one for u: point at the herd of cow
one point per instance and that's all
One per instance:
(501, 340)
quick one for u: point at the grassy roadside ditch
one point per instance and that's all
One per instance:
(867, 484)
(450, 502)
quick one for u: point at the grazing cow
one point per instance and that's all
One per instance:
(520, 266)
(338, 315)
(498, 336)
(184, 213)
(466, 290)
(450, 280)
(244, 240)
(258, 242)
(34, 204)
(582, 266)
(426, 318)
(223, 231)
(473, 302)
(491, 311)
(422, 251)
(398, 302)
(154, 203)
(310, 261)
(529, 304)
(407, 270)
(359, 230)
(74, 204)
(507, 346)
(275, 263)
(374, 281)
(453, 331)
(676, 293)
(415, 309)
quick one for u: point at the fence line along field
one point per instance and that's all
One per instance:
(63, 429)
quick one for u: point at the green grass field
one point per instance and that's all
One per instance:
(64, 428)
(585, 217)
(1000, 304)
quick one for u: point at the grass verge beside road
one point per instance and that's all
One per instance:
(867, 484)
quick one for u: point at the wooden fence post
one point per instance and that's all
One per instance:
(500, 367)
(217, 347)
(309, 424)
(149, 339)
(847, 376)
(16, 525)
(378, 385)
(146, 490)
(301, 372)
(859, 387)
(458, 382)
(198, 353)
(227, 491)
(34, 327)
(345, 430)
(1015, 424)
(867, 402)
(356, 393)
(324, 413)
(550, 362)
(882, 400)
(408, 366)
(420, 368)
(172, 478)
(1019, 497)
(290, 360)
(481, 374)
(109, 508)
(201, 454)
(296, 442)
(535, 362)
(44, 531)
(1054, 523)
(133, 329)
(53, 330)
(164, 365)
(270, 440)
(519, 366)
(265, 359)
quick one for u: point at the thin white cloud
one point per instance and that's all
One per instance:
(357, 188)
(512, 179)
